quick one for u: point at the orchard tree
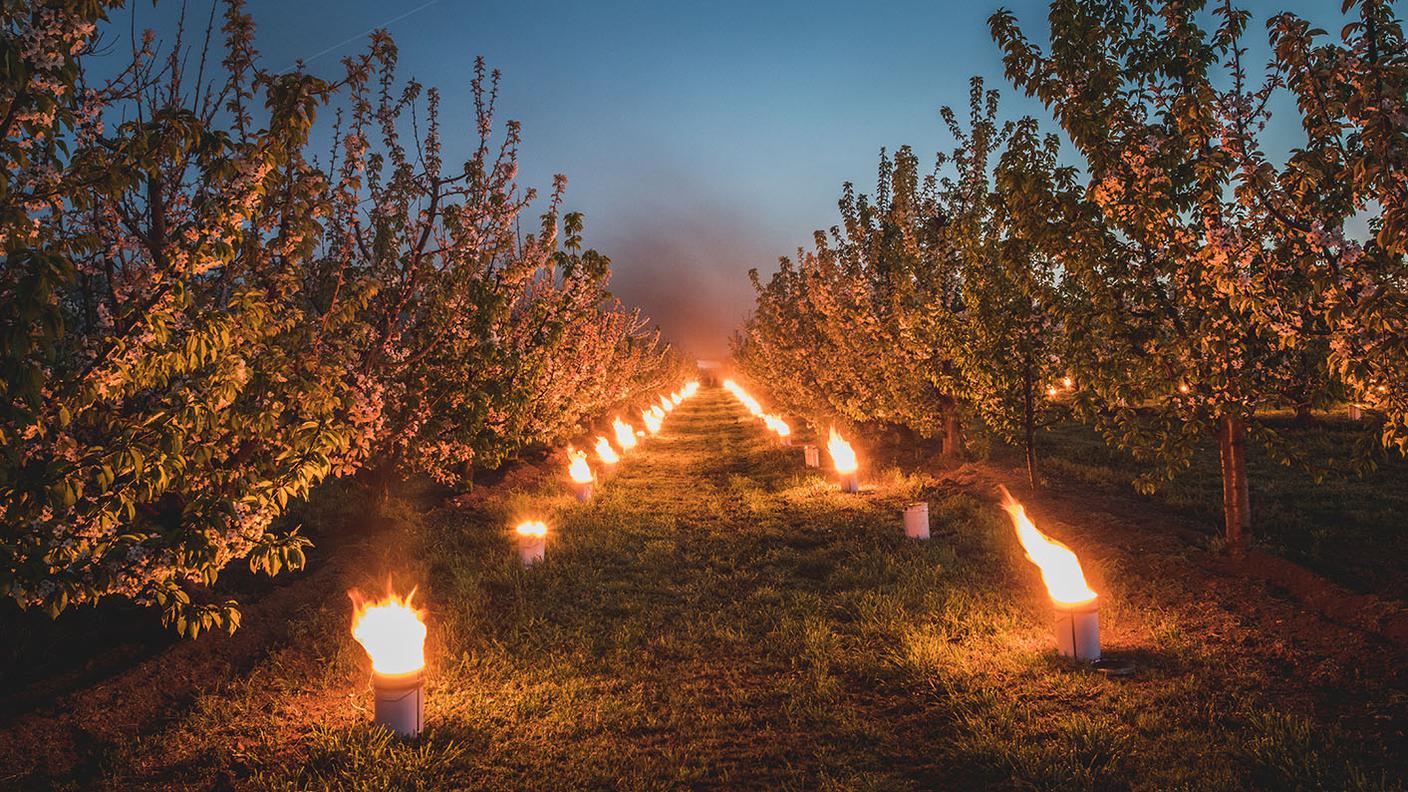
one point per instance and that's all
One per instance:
(1169, 343)
(166, 397)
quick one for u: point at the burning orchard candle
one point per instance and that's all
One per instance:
(606, 453)
(532, 541)
(625, 434)
(1355, 412)
(393, 633)
(652, 419)
(812, 455)
(666, 404)
(581, 474)
(916, 521)
(1077, 606)
(843, 458)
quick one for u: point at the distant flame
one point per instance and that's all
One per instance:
(690, 389)
(748, 401)
(666, 404)
(1067, 383)
(533, 528)
(652, 418)
(1060, 568)
(676, 398)
(843, 457)
(391, 630)
(580, 471)
(605, 452)
(625, 434)
(777, 425)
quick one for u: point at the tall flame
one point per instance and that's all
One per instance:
(1060, 569)
(777, 425)
(580, 471)
(605, 452)
(843, 457)
(391, 630)
(625, 434)
(652, 419)
(748, 401)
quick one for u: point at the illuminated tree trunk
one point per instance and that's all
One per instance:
(1236, 500)
(953, 435)
(1029, 419)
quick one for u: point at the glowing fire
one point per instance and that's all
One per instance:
(532, 528)
(1060, 568)
(605, 452)
(1067, 383)
(676, 398)
(652, 418)
(625, 434)
(843, 457)
(666, 404)
(391, 630)
(748, 401)
(777, 425)
(578, 469)
(690, 389)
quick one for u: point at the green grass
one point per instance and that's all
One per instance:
(718, 617)
(1352, 529)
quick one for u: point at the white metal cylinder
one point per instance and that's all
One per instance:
(532, 549)
(813, 455)
(916, 521)
(1355, 412)
(1078, 631)
(399, 702)
(583, 490)
(850, 482)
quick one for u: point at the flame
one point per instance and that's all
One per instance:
(625, 434)
(748, 401)
(1067, 383)
(652, 419)
(777, 425)
(392, 632)
(1060, 568)
(676, 398)
(666, 404)
(605, 452)
(580, 471)
(691, 388)
(533, 528)
(843, 457)
(1052, 391)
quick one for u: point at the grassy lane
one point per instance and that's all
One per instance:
(718, 617)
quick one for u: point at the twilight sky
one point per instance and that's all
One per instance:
(699, 138)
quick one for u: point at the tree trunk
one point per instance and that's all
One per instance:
(953, 435)
(1236, 500)
(1029, 420)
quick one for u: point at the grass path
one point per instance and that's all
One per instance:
(721, 617)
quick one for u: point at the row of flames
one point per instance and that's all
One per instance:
(392, 630)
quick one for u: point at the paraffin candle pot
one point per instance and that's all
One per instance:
(399, 702)
(583, 490)
(812, 455)
(1078, 631)
(916, 521)
(850, 482)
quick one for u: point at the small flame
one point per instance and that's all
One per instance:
(1060, 569)
(625, 434)
(1068, 383)
(391, 630)
(676, 398)
(533, 528)
(1052, 391)
(580, 471)
(605, 452)
(777, 425)
(666, 404)
(652, 418)
(843, 457)
(690, 389)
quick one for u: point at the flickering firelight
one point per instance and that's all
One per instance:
(625, 434)
(843, 459)
(532, 541)
(580, 473)
(1077, 607)
(605, 452)
(392, 632)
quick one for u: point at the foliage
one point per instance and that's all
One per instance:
(198, 324)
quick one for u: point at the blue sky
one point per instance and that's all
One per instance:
(699, 138)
